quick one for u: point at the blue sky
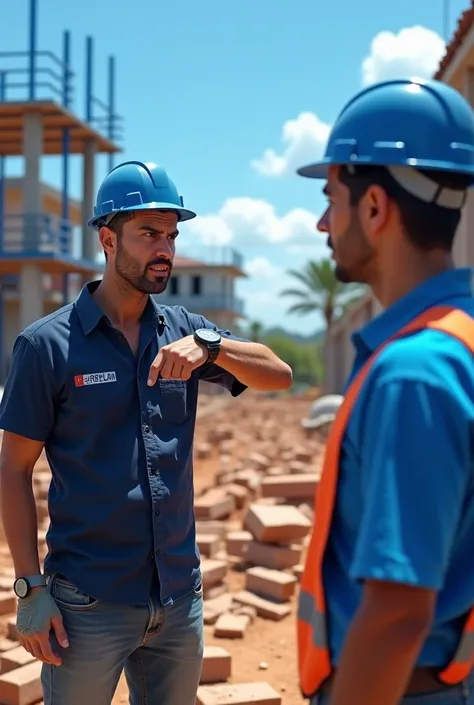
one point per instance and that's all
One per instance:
(209, 89)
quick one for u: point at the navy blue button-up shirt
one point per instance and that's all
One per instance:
(121, 497)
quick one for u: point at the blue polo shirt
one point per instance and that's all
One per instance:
(121, 497)
(405, 502)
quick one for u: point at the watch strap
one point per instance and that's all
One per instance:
(213, 351)
(36, 580)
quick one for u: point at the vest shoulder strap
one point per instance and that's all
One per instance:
(446, 319)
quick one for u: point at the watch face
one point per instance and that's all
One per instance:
(21, 587)
(208, 336)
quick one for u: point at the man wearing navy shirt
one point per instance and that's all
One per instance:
(108, 386)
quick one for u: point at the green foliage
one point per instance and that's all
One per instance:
(304, 359)
(321, 291)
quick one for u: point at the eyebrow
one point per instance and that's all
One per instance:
(156, 231)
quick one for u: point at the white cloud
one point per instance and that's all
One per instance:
(243, 221)
(304, 139)
(262, 267)
(414, 51)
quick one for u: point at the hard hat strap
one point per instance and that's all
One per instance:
(425, 189)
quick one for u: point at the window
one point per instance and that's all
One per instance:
(196, 287)
(174, 286)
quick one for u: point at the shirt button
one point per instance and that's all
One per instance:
(157, 512)
(157, 552)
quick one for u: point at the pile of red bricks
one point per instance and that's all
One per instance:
(253, 520)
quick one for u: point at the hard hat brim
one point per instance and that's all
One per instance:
(183, 213)
(317, 423)
(319, 170)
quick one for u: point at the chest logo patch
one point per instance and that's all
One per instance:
(94, 378)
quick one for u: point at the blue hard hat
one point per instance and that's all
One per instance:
(134, 186)
(408, 122)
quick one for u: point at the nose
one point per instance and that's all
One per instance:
(323, 223)
(165, 248)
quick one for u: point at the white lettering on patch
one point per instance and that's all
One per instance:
(94, 378)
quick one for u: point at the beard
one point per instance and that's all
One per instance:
(141, 278)
(355, 252)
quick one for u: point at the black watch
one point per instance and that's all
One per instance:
(23, 586)
(211, 340)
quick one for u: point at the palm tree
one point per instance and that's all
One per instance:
(321, 291)
(256, 331)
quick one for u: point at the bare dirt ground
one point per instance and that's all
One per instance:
(253, 435)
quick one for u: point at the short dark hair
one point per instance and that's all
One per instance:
(428, 226)
(117, 222)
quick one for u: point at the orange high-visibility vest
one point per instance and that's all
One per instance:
(313, 650)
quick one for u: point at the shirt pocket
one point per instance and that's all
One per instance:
(173, 400)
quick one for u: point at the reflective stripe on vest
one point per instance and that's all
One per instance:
(313, 650)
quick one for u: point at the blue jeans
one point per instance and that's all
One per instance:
(159, 648)
(455, 695)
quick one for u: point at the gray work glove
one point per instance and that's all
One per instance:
(37, 615)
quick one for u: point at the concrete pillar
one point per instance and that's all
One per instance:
(31, 278)
(464, 243)
(32, 206)
(89, 237)
(31, 295)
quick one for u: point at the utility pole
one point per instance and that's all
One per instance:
(446, 20)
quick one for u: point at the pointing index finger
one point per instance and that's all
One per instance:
(155, 368)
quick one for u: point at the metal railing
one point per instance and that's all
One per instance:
(219, 256)
(35, 234)
(41, 76)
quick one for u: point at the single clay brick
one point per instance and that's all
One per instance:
(297, 571)
(215, 528)
(213, 505)
(5, 583)
(11, 630)
(290, 486)
(7, 644)
(8, 601)
(214, 591)
(213, 608)
(42, 509)
(265, 608)
(21, 686)
(216, 665)
(213, 572)
(238, 694)
(14, 658)
(237, 542)
(272, 556)
(277, 524)
(208, 544)
(231, 626)
(273, 584)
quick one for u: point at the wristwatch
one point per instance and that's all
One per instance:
(211, 340)
(23, 586)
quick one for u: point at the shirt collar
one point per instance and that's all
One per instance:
(438, 290)
(90, 314)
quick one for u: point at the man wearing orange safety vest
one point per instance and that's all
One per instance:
(385, 611)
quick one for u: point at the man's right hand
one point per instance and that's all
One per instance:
(37, 615)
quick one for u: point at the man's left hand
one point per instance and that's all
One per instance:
(178, 360)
